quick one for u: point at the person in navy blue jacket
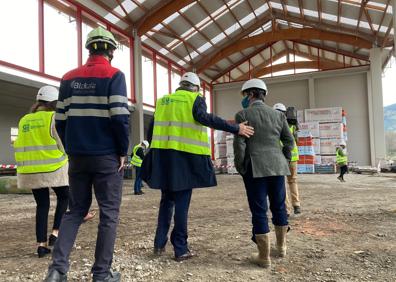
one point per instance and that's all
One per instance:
(176, 173)
(92, 121)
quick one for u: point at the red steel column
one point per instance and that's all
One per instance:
(169, 77)
(79, 36)
(155, 76)
(294, 57)
(271, 59)
(132, 69)
(211, 130)
(41, 35)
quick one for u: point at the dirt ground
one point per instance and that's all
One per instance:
(346, 232)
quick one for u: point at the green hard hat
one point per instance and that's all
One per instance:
(100, 34)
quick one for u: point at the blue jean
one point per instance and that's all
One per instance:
(179, 203)
(257, 190)
(100, 173)
(138, 180)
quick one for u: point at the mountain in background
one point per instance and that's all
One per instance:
(390, 117)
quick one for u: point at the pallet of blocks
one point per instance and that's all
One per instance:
(220, 152)
(306, 162)
(330, 128)
(230, 155)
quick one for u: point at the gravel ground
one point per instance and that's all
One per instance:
(346, 232)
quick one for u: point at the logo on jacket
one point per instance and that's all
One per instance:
(165, 101)
(83, 85)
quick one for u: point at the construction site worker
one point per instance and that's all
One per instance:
(342, 160)
(42, 163)
(136, 161)
(180, 158)
(263, 164)
(92, 120)
(292, 178)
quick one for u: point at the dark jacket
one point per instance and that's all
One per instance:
(176, 171)
(92, 112)
(263, 150)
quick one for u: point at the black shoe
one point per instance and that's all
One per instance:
(51, 240)
(297, 210)
(158, 251)
(111, 277)
(43, 251)
(139, 193)
(55, 276)
(186, 256)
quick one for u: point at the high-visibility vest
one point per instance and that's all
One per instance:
(294, 152)
(36, 151)
(175, 127)
(341, 159)
(136, 160)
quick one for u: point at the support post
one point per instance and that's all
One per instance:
(377, 103)
(311, 92)
(137, 117)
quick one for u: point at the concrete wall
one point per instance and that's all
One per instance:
(345, 88)
(15, 102)
(350, 93)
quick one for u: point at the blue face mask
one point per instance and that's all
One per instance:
(245, 102)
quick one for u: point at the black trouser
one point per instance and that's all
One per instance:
(343, 170)
(42, 198)
(101, 173)
(179, 203)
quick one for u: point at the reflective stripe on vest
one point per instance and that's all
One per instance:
(295, 157)
(341, 159)
(136, 160)
(175, 127)
(36, 151)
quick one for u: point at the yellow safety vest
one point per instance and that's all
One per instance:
(175, 127)
(294, 152)
(35, 149)
(136, 160)
(341, 159)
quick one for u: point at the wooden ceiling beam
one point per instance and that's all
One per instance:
(159, 13)
(296, 65)
(258, 23)
(285, 34)
(264, 64)
(330, 49)
(243, 60)
(325, 26)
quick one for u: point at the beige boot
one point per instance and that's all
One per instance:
(280, 232)
(263, 257)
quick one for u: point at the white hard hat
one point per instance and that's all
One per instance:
(279, 107)
(146, 143)
(342, 143)
(254, 83)
(192, 78)
(47, 93)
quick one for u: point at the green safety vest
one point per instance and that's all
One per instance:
(136, 160)
(175, 127)
(36, 151)
(294, 152)
(341, 159)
